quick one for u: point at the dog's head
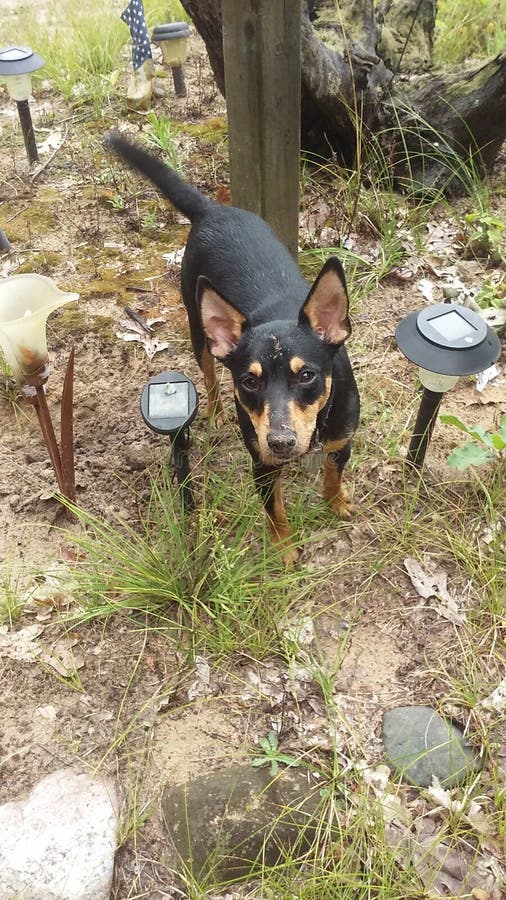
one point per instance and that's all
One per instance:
(282, 371)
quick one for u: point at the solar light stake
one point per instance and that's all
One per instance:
(16, 67)
(25, 119)
(445, 341)
(427, 414)
(169, 404)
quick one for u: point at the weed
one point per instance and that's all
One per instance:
(485, 446)
(272, 756)
(492, 293)
(485, 233)
(481, 31)
(117, 203)
(11, 606)
(202, 578)
(164, 135)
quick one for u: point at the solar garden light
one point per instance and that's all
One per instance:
(173, 41)
(445, 341)
(169, 404)
(4, 242)
(25, 303)
(16, 67)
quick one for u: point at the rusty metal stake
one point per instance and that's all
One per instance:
(62, 459)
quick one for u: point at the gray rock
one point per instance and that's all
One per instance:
(59, 843)
(419, 744)
(451, 291)
(138, 456)
(226, 824)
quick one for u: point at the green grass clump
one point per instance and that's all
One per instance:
(210, 579)
(481, 29)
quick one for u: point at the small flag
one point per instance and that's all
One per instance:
(133, 15)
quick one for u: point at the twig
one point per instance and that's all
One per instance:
(140, 321)
(50, 158)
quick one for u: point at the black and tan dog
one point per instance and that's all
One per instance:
(282, 340)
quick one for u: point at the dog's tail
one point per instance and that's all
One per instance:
(183, 196)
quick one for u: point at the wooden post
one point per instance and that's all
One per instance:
(261, 46)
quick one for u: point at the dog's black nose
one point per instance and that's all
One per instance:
(282, 442)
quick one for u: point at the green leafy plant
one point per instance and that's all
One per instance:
(117, 203)
(485, 446)
(492, 293)
(485, 233)
(163, 134)
(272, 754)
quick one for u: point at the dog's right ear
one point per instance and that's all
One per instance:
(222, 322)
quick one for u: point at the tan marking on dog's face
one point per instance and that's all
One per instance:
(303, 418)
(261, 424)
(256, 369)
(296, 364)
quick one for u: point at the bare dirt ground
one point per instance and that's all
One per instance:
(129, 709)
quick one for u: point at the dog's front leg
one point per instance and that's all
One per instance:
(215, 410)
(337, 454)
(268, 483)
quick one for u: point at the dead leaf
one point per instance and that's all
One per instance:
(21, 645)
(316, 218)
(470, 810)
(447, 868)
(300, 633)
(431, 582)
(426, 288)
(378, 780)
(484, 378)
(52, 142)
(48, 713)
(493, 316)
(61, 657)
(135, 332)
(441, 237)
(53, 589)
(497, 699)
(175, 257)
(202, 686)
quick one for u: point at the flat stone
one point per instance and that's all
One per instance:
(59, 843)
(419, 744)
(138, 456)
(231, 822)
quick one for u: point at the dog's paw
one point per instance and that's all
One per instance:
(342, 505)
(290, 555)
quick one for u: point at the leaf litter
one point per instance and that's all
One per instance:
(430, 582)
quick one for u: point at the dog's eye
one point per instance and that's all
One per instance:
(306, 376)
(250, 383)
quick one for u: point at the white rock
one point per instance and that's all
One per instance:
(59, 843)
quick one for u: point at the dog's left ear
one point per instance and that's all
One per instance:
(222, 322)
(326, 306)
